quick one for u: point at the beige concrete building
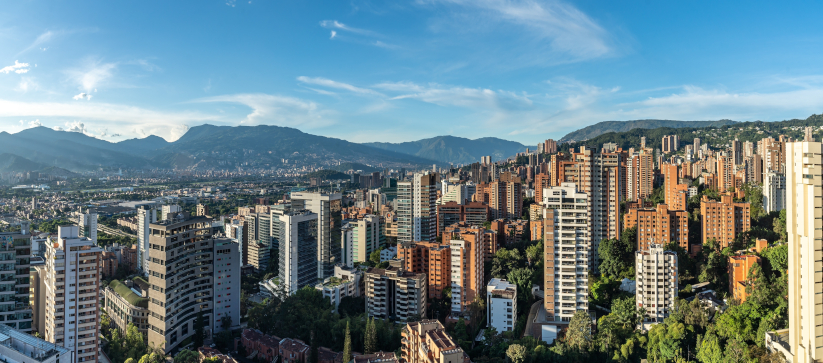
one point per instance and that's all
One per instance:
(72, 282)
(395, 294)
(125, 307)
(657, 279)
(804, 225)
(181, 277)
(426, 341)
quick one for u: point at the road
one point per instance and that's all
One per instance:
(114, 232)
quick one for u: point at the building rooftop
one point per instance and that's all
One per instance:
(126, 293)
(28, 345)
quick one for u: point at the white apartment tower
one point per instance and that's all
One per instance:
(72, 281)
(804, 226)
(88, 224)
(501, 305)
(567, 246)
(146, 215)
(774, 191)
(656, 276)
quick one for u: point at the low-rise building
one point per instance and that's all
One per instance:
(657, 279)
(739, 267)
(501, 305)
(127, 305)
(388, 253)
(19, 347)
(262, 346)
(293, 351)
(345, 282)
(426, 341)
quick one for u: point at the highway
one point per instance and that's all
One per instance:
(114, 232)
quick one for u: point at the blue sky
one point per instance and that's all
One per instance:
(523, 70)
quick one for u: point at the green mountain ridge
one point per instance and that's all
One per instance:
(603, 127)
(455, 150)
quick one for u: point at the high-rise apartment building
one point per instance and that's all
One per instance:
(146, 215)
(297, 244)
(328, 208)
(723, 220)
(657, 278)
(366, 237)
(541, 181)
(659, 226)
(804, 218)
(202, 210)
(550, 146)
(395, 294)
(87, 221)
(20, 347)
(774, 191)
(506, 199)
(417, 208)
(670, 143)
(736, 152)
(566, 246)
(474, 213)
(489, 237)
(640, 169)
(431, 259)
(181, 275)
(72, 281)
(466, 269)
(676, 194)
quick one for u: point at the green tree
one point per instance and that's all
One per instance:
(579, 333)
(709, 349)
(199, 331)
(617, 255)
(225, 322)
(779, 226)
(187, 356)
(534, 253)
(347, 344)
(522, 278)
(370, 341)
(374, 257)
(516, 353)
(506, 260)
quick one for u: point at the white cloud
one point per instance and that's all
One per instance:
(17, 67)
(333, 34)
(163, 124)
(92, 74)
(319, 81)
(549, 31)
(277, 110)
(474, 98)
(231, 3)
(334, 24)
(82, 96)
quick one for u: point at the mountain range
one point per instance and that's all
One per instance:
(455, 150)
(603, 127)
(205, 146)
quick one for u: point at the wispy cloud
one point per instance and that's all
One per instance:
(92, 74)
(26, 84)
(338, 85)
(476, 98)
(17, 67)
(276, 110)
(333, 34)
(336, 25)
(42, 38)
(549, 31)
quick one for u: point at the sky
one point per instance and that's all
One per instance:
(394, 71)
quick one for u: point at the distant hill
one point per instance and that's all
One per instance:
(16, 163)
(202, 147)
(455, 150)
(603, 127)
(715, 136)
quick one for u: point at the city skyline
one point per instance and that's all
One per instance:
(368, 71)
